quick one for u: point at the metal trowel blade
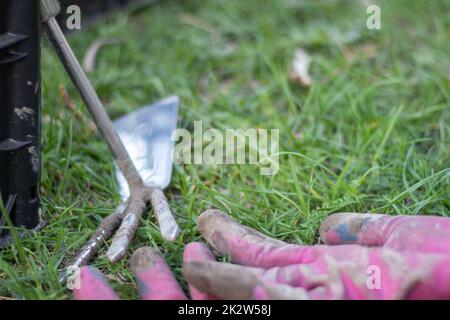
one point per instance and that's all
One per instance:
(146, 134)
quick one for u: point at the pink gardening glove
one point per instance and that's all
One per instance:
(154, 279)
(409, 253)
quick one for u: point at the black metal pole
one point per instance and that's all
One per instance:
(19, 113)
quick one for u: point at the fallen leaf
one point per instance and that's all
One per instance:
(300, 68)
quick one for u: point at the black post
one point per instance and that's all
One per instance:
(19, 113)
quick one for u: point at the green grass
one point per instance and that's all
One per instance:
(370, 135)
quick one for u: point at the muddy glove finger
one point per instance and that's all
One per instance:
(90, 284)
(234, 282)
(307, 276)
(197, 251)
(247, 246)
(425, 234)
(154, 279)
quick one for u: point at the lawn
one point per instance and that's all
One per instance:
(371, 134)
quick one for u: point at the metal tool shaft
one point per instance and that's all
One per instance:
(92, 101)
